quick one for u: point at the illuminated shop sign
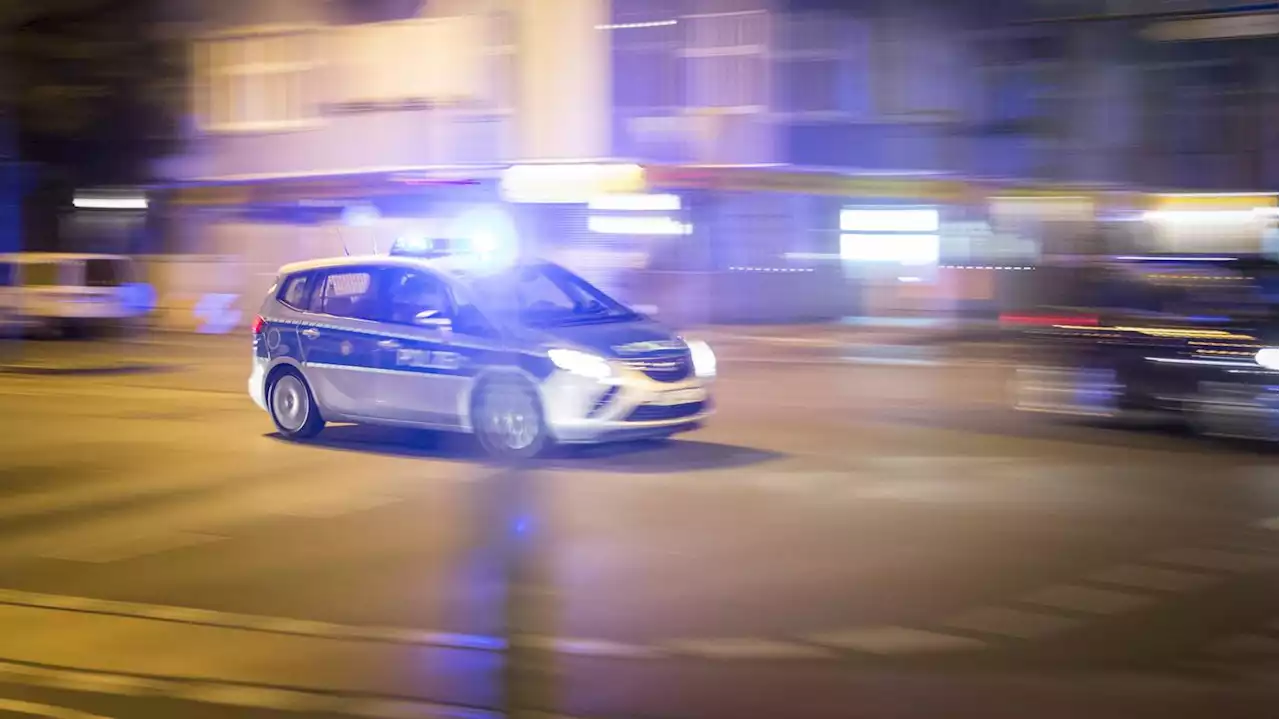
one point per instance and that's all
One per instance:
(570, 183)
(906, 236)
(626, 215)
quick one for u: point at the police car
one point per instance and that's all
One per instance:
(523, 354)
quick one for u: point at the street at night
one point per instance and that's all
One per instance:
(639, 359)
(859, 531)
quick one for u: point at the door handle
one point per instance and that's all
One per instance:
(389, 344)
(311, 333)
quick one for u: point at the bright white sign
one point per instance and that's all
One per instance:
(889, 220)
(902, 249)
(635, 202)
(630, 225)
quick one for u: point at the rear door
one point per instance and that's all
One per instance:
(283, 310)
(339, 340)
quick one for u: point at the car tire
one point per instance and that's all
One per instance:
(508, 421)
(292, 406)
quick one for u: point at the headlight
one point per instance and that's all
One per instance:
(1269, 358)
(580, 363)
(704, 360)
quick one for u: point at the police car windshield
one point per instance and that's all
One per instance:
(547, 295)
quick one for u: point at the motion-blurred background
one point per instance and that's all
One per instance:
(991, 283)
(232, 137)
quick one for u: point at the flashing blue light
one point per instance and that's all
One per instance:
(418, 246)
(138, 297)
(411, 244)
(217, 313)
(489, 233)
(484, 242)
(482, 233)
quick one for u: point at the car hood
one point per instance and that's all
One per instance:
(636, 338)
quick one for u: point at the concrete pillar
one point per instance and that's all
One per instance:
(563, 93)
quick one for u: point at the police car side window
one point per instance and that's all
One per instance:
(347, 293)
(410, 293)
(296, 291)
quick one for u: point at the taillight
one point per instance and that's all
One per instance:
(258, 323)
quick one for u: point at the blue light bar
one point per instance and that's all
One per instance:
(419, 246)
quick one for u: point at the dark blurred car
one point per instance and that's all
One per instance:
(1186, 338)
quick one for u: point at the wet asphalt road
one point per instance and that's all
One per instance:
(878, 537)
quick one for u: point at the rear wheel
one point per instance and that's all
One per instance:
(292, 406)
(508, 420)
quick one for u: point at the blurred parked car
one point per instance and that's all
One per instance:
(66, 294)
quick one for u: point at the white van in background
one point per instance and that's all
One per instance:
(67, 294)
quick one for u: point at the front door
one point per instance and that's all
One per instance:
(426, 372)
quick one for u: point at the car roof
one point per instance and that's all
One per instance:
(456, 265)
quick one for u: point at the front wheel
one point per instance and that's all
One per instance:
(508, 420)
(1219, 409)
(292, 406)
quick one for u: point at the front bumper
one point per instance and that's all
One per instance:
(1240, 411)
(627, 407)
(1246, 408)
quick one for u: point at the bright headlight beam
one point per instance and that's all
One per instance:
(1269, 358)
(583, 364)
(704, 360)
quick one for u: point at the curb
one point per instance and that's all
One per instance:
(84, 370)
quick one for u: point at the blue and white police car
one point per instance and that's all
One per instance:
(523, 354)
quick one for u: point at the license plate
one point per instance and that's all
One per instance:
(680, 396)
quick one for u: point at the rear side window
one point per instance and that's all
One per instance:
(347, 293)
(104, 273)
(296, 291)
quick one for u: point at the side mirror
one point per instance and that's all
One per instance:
(432, 319)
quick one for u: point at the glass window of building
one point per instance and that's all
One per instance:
(256, 82)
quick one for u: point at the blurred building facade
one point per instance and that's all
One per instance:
(323, 126)
(1154, 94)
(987, 89)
